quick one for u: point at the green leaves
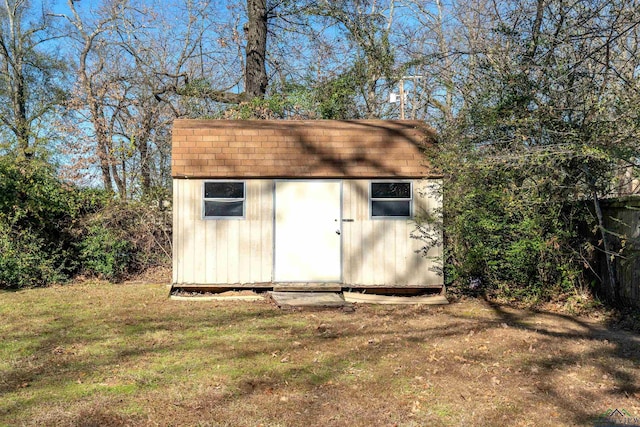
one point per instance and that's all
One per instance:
(36, 212)
(551, 121)
(104, 253)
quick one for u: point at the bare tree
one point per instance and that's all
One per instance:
(30, 73)
(97, 82)
(130, 100)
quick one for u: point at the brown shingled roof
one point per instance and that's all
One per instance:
(299, 149)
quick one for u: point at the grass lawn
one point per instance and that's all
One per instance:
(101, 354)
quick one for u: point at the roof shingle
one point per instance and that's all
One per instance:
(300, 149)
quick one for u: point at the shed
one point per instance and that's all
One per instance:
(262, 204)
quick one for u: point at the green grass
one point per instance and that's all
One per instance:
(102, 354)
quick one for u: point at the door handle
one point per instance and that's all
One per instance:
(338, 232)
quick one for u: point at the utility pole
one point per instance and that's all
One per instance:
(402, 98)
(393, 96)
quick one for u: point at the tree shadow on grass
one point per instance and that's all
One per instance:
(622, 347)
(264, 351)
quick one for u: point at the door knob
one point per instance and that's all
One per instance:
(338, 232)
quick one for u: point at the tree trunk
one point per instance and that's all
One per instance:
(102, 146)
(256, 32)
(121, 183)
(142, 144)
(20, 113)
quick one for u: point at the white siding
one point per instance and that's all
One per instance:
(381, 252)
(376, 252)
(222, 251)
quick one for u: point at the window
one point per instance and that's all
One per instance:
(224, 199)
(391, 199)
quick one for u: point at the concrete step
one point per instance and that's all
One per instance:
(308, 299)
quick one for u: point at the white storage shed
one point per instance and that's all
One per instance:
(312, 204)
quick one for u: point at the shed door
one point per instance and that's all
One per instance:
(307, 231)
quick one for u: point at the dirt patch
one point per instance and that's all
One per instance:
(92, 353)
(231, 293)
(158, 274)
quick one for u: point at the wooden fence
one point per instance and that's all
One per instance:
(622, 221)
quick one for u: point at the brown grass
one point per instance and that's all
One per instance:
(101, 354)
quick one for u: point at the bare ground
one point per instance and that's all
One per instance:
(102, 354)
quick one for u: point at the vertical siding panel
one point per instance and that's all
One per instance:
(389, 251)
(230, 251)
(188, 230)
(267, 219)
(248, 246)
(355, 243)
(203, 252)
(421, 197)
(378, 260)
(177, 235)
(253, 238)
(221, 251)
(401, 274)
(210, 252)
(251, 246)
(257, 234)
(366, 250)
(356, 235)
(260, 243)
(195, 251)
(233, 250)
(178, 231)
(362, 199)
(265, 237)
(199, 237)
(416, 264)
(353, 260)
(246, 264)
(186, 223)
(347, 230)
(244, 256)
(360, 242)
(428, 202)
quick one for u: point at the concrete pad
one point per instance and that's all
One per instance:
(218, 298)
(234, 295)
(387, 299)
(308, 299)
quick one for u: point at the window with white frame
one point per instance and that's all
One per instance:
(390, 199)
(223, 199)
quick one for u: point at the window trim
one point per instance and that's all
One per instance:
(224, 200)
(387, 199)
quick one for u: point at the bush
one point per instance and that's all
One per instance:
(124, 238)
(37, 213)
(27, 261)
(104, 254)
(50, 231)
(518, 241)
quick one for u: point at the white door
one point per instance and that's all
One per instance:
(308, 222)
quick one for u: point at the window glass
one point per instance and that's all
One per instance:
(390, 190)
(216, 208)
(391, 199)
(233, 190)
(224, 199)
(391, 208)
